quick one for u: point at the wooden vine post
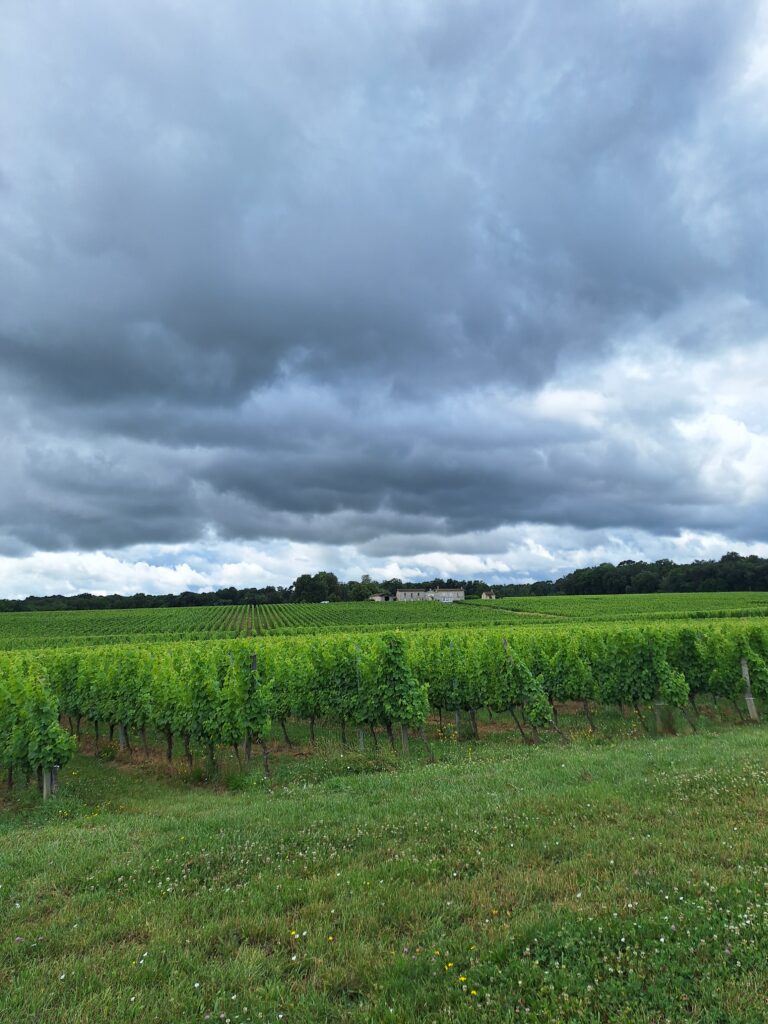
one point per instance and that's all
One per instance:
(50, 781)
(404, 737)
(254, 665)
(749, 700)
(248, 745)
(665, 722)
(360, 730)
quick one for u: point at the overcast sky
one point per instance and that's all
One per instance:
(407, 287)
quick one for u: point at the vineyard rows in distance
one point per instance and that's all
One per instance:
(29, 630)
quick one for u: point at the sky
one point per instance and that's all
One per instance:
(407, 287)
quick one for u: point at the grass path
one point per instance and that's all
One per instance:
(625, 882)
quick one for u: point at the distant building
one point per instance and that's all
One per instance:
(379, 597)
(444, 596)
(488, 595)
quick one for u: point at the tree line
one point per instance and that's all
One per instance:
(306, 589)
(732, 572)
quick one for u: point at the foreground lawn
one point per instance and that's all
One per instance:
(623, 882)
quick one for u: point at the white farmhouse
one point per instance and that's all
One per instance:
(444, 596)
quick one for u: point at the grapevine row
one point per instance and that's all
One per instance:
(229, 693)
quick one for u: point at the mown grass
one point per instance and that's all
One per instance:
(621, 881)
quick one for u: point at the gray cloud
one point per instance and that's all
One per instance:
(390, 275)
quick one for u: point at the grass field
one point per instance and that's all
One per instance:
(622, 881)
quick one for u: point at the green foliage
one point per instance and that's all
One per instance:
(567, 675)
(200, 672)
(228, 692)
(724, 664)
(402, 697)
(170, 708)
(687, 653)
(248, 690)
(533, 698)
(30, 734)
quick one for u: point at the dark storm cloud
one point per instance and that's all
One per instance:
(301, 270)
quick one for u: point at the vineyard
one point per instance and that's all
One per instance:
(24, 630)
(640, 607)
(32, 630)
(307, 812)
(204, 695)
